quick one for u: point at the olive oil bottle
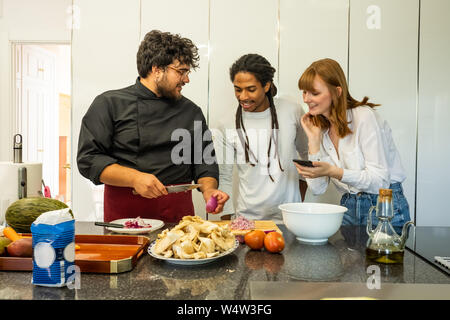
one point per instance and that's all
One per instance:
(384, 244)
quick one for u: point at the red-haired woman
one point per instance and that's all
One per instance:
(349, 144)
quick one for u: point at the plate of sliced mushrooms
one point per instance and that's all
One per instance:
(193, 241)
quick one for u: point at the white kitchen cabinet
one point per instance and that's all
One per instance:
(189, 19)
(433, 151)
(104, 46)
(383, 66)
(309, 31)
(237, 27)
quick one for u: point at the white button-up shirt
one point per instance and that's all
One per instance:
(368, 156)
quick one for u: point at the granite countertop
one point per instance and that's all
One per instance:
(342, 260)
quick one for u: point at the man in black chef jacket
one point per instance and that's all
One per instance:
(130, 138)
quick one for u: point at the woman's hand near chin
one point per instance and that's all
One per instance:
(313, 132)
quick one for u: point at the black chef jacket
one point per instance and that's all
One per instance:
(133, 127)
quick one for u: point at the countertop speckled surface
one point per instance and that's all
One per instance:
(341, 260)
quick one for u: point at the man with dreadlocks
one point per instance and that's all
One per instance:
(261, 141)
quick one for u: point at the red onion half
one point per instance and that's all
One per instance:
(211, 205)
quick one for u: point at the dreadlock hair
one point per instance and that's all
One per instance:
(259, 67)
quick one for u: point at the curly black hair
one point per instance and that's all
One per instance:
(161, 48)
(263, 71)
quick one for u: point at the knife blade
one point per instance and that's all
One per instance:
(182, 187)
(178, 188)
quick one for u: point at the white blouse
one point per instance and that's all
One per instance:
(368, 156)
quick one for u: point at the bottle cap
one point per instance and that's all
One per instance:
(386, 193)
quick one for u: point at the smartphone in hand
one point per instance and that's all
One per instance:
(305, 163)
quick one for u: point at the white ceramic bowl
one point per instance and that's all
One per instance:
(312, 223)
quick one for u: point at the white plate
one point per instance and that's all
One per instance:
(190, 262)
(155, 225)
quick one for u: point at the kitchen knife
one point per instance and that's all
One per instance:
(107, 224)
(178, 188)
(182, 187)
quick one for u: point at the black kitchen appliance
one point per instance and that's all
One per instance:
(431, 244)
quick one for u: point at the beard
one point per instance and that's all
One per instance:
(168, 91)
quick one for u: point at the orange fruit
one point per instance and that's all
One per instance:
(255, 239)
(274, 242)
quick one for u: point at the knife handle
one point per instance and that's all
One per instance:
(107, 224)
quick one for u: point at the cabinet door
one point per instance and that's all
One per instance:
(309, 31)
(237, 27)
(189, 19)
(104, 46)
(383, 66)
(434, 113)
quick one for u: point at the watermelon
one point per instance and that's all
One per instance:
(22, 213)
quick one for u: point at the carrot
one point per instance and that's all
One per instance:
(11, 234)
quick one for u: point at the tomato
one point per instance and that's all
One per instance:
(255, 239)
(274, 242)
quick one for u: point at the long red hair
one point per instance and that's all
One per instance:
(331, 73)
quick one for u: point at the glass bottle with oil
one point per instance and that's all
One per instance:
(384, 244)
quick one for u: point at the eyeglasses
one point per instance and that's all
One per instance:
(181, 72)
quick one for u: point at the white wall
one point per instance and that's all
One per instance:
(382, 63)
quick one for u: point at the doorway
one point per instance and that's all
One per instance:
(42, 100)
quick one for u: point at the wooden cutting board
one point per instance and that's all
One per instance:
(97, 254)
(263, 225)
